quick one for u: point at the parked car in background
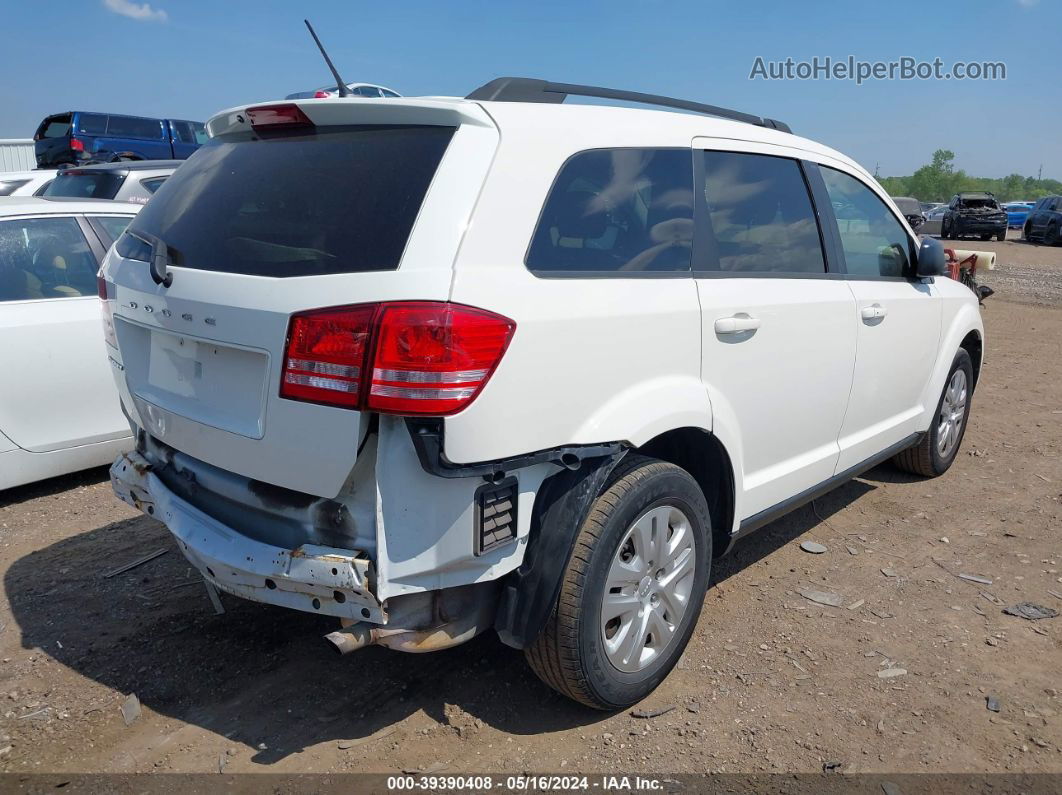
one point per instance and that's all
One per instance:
(974, 214)
(129, 182)
(1045, 221)
(436, 366)
(934, 218)
(26, 183)
(911, 210)
(77, 137)
(59, 411)
(356, 89)
(928, 207)
(1017, 213)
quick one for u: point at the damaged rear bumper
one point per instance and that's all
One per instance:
(315, 579)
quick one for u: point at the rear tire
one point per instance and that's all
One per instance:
(936, 452)
(650, 512)
(1002, 236)
(1026, 232)
(1051, 235)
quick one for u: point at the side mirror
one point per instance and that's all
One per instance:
(932, 261)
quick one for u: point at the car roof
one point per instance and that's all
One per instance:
(7, 176)
(129, 165)
(583, 126)
(33, 205)
(975, 194)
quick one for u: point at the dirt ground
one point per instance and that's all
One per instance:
(770, 682)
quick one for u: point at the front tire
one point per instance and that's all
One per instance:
(936, 452)
(632, 590)
(1051, 235)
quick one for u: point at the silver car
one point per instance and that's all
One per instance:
(130, 181)
(356, 89)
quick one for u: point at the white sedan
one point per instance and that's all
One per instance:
(26, 183)
(59, 411)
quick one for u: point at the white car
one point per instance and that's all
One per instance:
(26, 183)
(132, 181)
(59, 410)
(363, 90)
(435, 366)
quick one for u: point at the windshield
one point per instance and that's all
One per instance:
(336, 201)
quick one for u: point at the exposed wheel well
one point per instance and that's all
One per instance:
(703, 456)
(972, 343)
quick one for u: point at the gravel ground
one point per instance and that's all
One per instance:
(897, 679)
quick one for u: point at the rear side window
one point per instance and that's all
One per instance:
(339, 200)
(134, 127)
(873, 240)
(762, 219)
(91, 123)
(86, 185)
(45, 258)
(617, 211)
(152, 184)
(111, 225)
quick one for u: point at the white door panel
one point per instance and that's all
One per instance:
(898, 335)
(58, 391)
(782, 352)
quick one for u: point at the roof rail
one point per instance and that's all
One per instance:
(526, 89)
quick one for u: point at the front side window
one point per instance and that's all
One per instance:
(618, 211)
(45, 258)
(762, 220)
(872, 238)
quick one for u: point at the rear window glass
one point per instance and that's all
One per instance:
(91, 123)
(86, 185)
(134, 127)
(55, 127)
(336, 201)
(618, 210)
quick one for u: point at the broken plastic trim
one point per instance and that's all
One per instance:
(427, 436)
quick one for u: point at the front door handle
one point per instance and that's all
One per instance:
(873, 312)
(736, 324)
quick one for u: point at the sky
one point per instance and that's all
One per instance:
(190, 58)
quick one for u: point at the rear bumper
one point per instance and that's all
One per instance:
(315, 579)
(969, 226)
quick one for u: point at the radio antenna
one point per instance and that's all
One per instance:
(340, 85)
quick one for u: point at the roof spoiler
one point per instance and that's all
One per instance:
(526, 89)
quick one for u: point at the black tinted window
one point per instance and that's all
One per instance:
(54, 127)
(91, 123)
(86, 185)
(335, 201)
(761, 216)
(622, 210)
(152, 184)
(874, 241)
(45, 258)
(134, 127)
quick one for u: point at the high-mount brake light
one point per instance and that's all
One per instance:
(319, 94)
(287, 116)
(407, 358)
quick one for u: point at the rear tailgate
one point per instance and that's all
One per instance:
(368, 206)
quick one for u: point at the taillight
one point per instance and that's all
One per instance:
(77, 145)
(104, 289)
(273, 116)
(398, 358)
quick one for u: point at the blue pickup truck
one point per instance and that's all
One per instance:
(77, 138)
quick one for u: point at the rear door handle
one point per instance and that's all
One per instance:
(736, 324)
(873, 312)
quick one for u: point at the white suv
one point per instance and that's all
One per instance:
(433, 366)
